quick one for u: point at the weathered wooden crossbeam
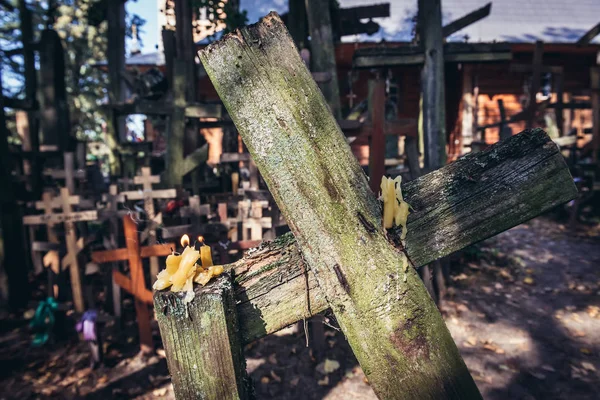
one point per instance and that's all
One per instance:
(75, 216)
(465, 202)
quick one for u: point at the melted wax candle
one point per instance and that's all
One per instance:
(208, 270)
(182, 270)
(395, 209)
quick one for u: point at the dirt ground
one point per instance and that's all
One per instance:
(523, 308)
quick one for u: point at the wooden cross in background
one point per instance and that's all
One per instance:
(135, 284)
(68, 217)
(148, 195)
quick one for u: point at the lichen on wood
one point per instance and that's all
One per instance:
(320, 189)
(201, 340)
(481, 190)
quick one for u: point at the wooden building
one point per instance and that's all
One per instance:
(487, 84)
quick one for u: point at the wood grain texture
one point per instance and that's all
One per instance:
(391, 323)
(474, 198)
(204, 354)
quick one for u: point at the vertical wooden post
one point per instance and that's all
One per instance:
(204, 352)
(116, 63)
(147, 180)
(467, 107)
(184, 43)
(72, 249)
(35, 177)
(56, 124)
(114, 232)
(432, 83)
(558, 110)
(138, 284)
(536, 76)
(434, 106)
(323, 51)
(69, 165)
(297, 22)
(377, 138)
(595, 86)
(176, 133)
(504, 130)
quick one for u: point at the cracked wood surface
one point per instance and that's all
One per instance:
(391, 323)
(465, 202)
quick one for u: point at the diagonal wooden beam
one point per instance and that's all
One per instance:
(391, 323)
(465, 202)
(589, 35)
(467, 20)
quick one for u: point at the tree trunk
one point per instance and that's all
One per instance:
(11, 224)
(391, 323)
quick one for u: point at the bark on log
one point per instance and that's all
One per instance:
(391, 323)
(474, 198)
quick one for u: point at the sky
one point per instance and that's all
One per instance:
(395, 27)
(510, 20)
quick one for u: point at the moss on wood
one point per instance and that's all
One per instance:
(320, 188)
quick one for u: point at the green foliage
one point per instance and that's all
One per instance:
(82, 26)
(85, 45)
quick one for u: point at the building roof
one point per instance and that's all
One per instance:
(515, 21)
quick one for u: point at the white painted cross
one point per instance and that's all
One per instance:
(148, 195)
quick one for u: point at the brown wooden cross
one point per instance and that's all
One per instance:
(135, 284)
(148, 195)
(68, 217)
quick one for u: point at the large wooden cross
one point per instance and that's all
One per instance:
(136, 283)
(68, 217)
(391, 323)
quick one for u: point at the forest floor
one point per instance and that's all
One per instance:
(523, 308)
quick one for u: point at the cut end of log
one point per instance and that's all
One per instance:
(265, 22)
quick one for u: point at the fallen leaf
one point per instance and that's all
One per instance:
(528, 280)
(589, 366)
(103, 379)
(462, 308)
(538, 375)
(492, 347)
(324, 381)
(577, 333)
(330, 366)
(472, 340)
(585, 350)
(161, 353)
(275, 376)
(159, 392)
(295, 381)
(264, 380)
(483, 378)
(548, 368)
